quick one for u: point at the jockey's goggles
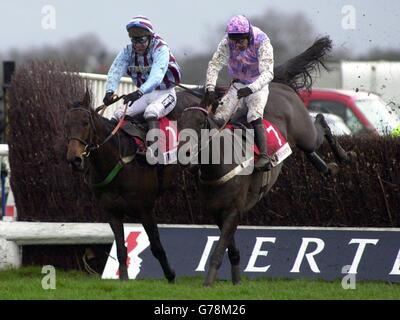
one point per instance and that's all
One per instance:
(140, 40)
(238, 38)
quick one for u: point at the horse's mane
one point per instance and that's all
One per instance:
(86, 106)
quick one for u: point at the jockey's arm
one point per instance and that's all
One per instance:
(117, 70)
(218, 61)
(266, 66)
(158, 70)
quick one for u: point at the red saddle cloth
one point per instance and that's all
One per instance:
(275, 140)
(168, 141)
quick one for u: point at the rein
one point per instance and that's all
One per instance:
(235, 171)
(90, 146)
(103, 107)
(191, 91)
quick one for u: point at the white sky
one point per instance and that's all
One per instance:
(189, 25)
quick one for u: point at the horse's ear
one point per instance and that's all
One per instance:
(86, 99)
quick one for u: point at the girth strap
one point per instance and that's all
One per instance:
(114, 172)
(231, 174)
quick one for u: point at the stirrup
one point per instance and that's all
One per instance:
(266, 167)
(141, 152)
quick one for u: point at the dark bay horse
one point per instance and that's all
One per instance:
(133, 192)
(228, 200)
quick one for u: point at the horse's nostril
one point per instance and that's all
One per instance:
(77, 161)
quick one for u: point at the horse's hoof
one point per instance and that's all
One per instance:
(171, 277)
(235, 272)
(123, 274)
(124, 278)
(210, 278)
(333, 169)
(171, 280)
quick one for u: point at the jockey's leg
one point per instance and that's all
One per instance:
(163, 102)
(228, 103)
(256, 103)
(264, 162)
(138, 107)
(152, 145)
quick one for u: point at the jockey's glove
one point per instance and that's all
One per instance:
(132, 97)
(108, 98)
(244, 92)
(210, 98)
(114, 121)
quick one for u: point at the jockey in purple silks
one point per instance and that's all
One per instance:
(249, 55)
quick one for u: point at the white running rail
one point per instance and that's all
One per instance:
(97, 84)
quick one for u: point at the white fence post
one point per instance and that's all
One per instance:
(97, 84)
(10, 254)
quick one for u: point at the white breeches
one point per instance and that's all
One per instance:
(255, 102)
(156, 104)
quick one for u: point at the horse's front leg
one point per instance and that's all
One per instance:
(117, 226)
(234, 256)
(156, 247)
(229, 226)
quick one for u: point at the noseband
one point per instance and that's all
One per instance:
(89, 145)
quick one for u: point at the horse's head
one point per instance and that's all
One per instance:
(80, 131)
(190, 124)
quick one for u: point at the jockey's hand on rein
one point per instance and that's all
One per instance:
(210, 98)
(132, 97)
(244, 92)
(108, 98)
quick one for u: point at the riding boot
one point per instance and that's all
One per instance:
(264, 162)
(152, 146)
(317, 162)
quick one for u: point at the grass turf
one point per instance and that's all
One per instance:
(25, 283)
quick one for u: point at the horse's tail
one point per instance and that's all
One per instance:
(296, 72)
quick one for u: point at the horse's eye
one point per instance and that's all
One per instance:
(85, 123)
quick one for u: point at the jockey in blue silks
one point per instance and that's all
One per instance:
(153, 69)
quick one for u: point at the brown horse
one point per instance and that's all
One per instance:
(227, 196)
(133, 192)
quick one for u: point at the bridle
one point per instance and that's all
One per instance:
(89, 145)
(204, 111)
(232, 173)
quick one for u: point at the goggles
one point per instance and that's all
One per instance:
(238, 38)
(139, 40)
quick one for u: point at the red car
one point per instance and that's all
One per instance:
(362, 112)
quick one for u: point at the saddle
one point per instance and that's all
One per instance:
(137, 128)
(278, 148)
